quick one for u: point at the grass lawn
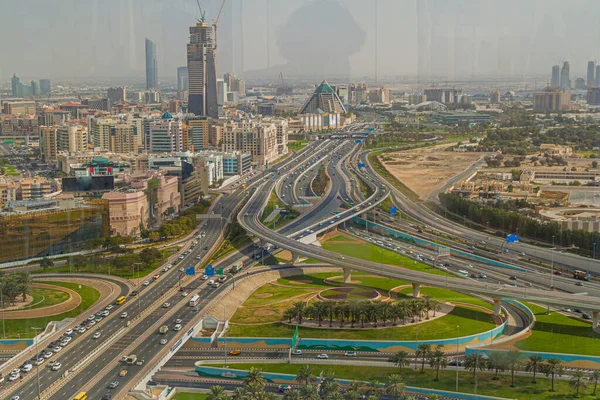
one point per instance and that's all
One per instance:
(21, 328)
(46, 298)
(286, 214)
(297, 144)
(449, 295)
(227, 247)
(470, 322)
(270, 293)
(523, 389)
(190, 396)
(371, 252)
(105, 267)
(575, 336)
(386, 204)
(273, 313)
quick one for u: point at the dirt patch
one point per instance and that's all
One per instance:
(423, 170)
(285, 255)
(263, 295)
(301, 282)
(264, 313)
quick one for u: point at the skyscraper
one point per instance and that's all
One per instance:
(202, 71)
(598, 75)
(591, 74)
(182, 78)
(15, 81)
(151, 70)
(555, 83)
(45, 87)
(565, 80)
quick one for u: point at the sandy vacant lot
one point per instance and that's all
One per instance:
(422, 170)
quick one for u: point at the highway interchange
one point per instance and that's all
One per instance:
(146, 313)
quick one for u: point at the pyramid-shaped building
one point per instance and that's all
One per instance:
(323, 100)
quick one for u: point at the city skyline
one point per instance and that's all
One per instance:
(434, 40)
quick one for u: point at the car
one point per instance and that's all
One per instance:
(283, 388)
(296, 352)
(69, 332)
(57, 349)
(579, 311)
(163, 341)
(567, 309)
(235, 352)
(13, 377)
(26, 368)
(322, 356)
(82, 329)
(40, 361)
(184, 294)
(106, 396)
(133, 293)
(557, 272)
(482, 276)
(578, 283)
(96, 335)
(177, 327)
(166, 305)
(178, 321)
(105, 313)
(91, 323)
(98, 319)
(109, 307)
(91, 318)
(586, 316)
(113, 385)
(48, 354)
(68, 338)
(453, 363)
(56, 366)
(140, 362)
(196, 309)
(165, 269)
(15, 398)
(204, 277)
(124, 314)
(146, 283)
(123, 373)
(350, 354)
(216, 284)
(512, 278)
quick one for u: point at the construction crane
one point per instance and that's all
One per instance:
(216, 20)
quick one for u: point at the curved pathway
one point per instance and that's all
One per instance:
(72, 303)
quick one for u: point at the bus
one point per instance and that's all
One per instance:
(120, 300)
(81, 396)
(194, 300)
(582, 275)
(463, 272)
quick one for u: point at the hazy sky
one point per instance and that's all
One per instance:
(446, 38)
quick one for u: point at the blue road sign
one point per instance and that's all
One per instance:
(382, 118)
(209, 270)
(358, 141)
(190, 270)
(512, 238)
(361, 165)
(393, 210)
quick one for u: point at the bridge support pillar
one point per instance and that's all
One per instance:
(497, 308)
(347, 275)
(595, 319)
(294, 258)
(416, 290)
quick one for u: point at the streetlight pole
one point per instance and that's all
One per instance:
(37, 364)
(225, 335)
(138, 282)
(457, 336)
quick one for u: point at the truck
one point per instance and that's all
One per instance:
(163, 329)
(131, 359)
(235, 269)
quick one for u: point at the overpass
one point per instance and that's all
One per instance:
(248, 218)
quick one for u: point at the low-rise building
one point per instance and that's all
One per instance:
(127, 212)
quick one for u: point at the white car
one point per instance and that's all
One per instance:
(96, 335)
(91, 317)
(322, 356)
(163, 341)
(69, 332)
(48, 354)
(184, 294)
(169, 266)
(14, 377)
(26, 367)
(146, 283)
(177, 327)
(124, 315)
(204, 277)
(166, 305)
(109, 307)
(56, 366)
(57, 349)
(82, 330)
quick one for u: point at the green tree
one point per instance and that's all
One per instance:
(496, 362)
(309, 392)
(374, 387)
(293, 394)
(513, 362)
(394, 386)
(595, 376)
(578, 381)
(217, 393)
(306, 375)
(254, 376)
(23, 281)
(533, 364)
(423, 352)
(437, 360)
(474, 362)
(400, 359)
(46, 263)
(552, 367)
(299, 308)
(329, 384)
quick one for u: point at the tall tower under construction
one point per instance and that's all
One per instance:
(202, 70)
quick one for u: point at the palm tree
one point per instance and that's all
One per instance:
(385, 311)
(329, 384)
(352, 394)
(532, 364)
(363, 314)
(437, 360)
(254, 376)
(513, 362)
(269, 396)
(354, 308)
(496, 362)
(240, 394)
(400, 359)
(373, 312)
(299, 308)
(293, 394)
(423, 352)
(374, 387)
(473, 362)
(595, 376)
(217, 393)
(331, 308)
(320, 310)
(306, 375)
(394, 386)
(436, 305)
(310, 392)
(23, 280)
(578, 381)
(289, 314)
(427, 305)
(553, 367)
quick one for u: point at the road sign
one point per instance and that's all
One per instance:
(209, 270)
(361, 165)
(190, 270)
(358, 141)
(393, 210)
(512, 238)
(220, 271)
